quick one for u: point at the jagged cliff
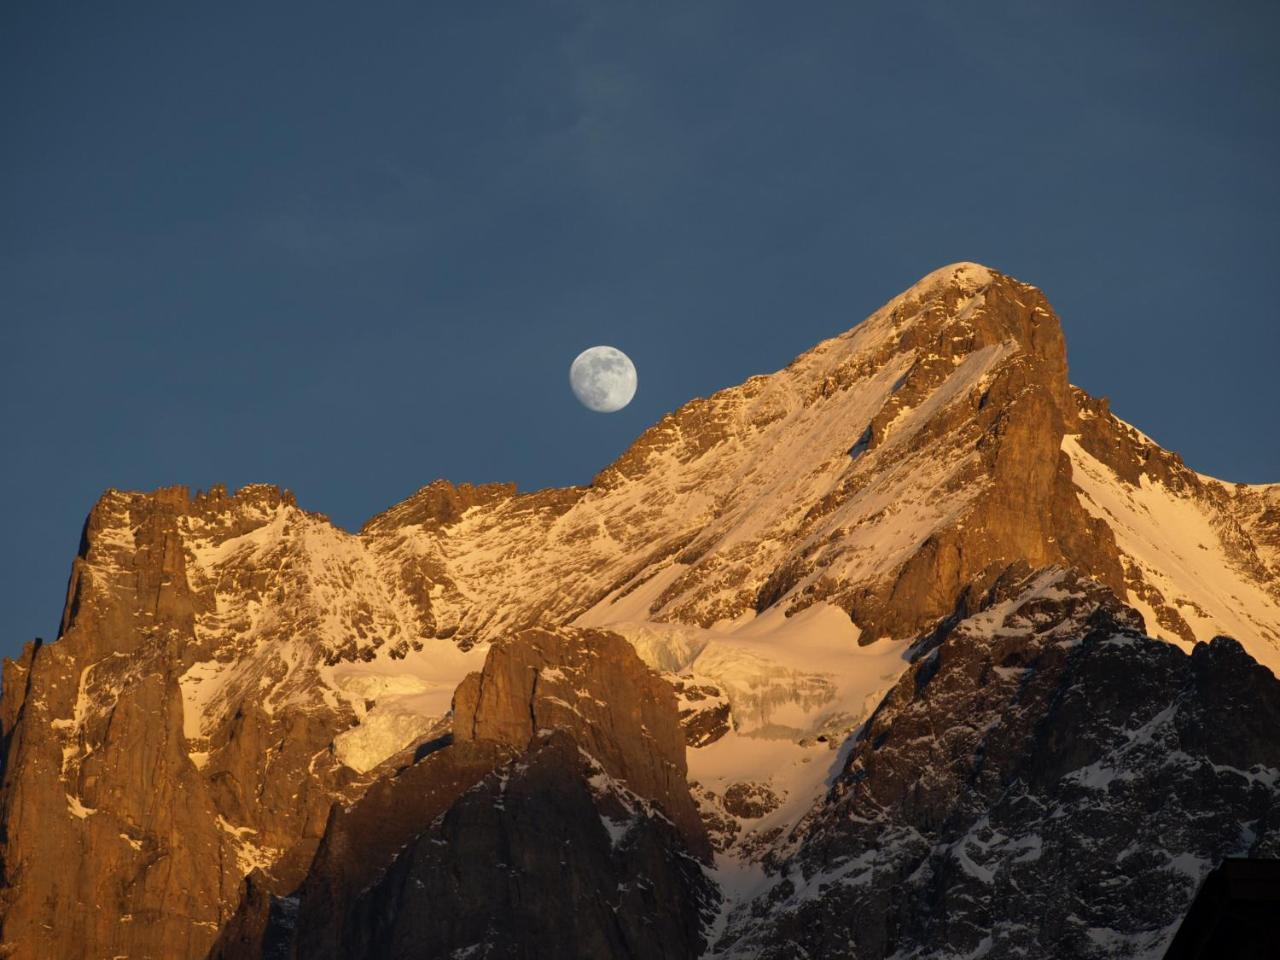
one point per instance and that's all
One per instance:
(1045, 782)
(918, 522)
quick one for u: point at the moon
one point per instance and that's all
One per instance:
(603, 379)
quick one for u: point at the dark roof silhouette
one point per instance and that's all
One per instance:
(1235, 915)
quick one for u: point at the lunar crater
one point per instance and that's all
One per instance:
(603, 379)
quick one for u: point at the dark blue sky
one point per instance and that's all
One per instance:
(349, 249)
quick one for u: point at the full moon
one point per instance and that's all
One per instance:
(603, 378)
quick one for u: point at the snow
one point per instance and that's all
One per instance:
(964, 272)
(633, 606)
(617, 829)
(784, 676)
(201, 685)
(767, 656)
(409, 697)
(248, 854)
(746, 467)
(1154, 736)
(96, 695)
(316, 589)
(799, 774)
(1173, 540)
(609, 791)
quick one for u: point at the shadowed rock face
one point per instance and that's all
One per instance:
(359, 842)
(587, 845)
(592, 684)
(1047, 782)
(565, 766)
(547, 857)
(246, 715)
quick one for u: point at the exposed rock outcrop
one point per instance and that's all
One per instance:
(111, 836)
(549, 857)
(565, 765)
(704, 710)
(556, 820)
(1047, 782)
(591, 684)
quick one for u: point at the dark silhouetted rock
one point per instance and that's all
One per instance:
(1235, 914)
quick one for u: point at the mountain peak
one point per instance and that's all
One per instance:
(920, 505)
(976, 306)
(963, 273)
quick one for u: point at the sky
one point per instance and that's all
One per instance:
(349, 249)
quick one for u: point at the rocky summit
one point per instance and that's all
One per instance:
(910, 649)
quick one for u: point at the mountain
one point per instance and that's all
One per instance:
(908, 649)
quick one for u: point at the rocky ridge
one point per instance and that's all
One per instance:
(561, 782)
(1046, 782)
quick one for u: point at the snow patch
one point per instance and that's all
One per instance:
(1173, 540)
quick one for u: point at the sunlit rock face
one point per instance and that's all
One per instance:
(777, 594)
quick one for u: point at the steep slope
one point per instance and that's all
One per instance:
(845, 477)
(1199, 555)
(112, 839)
(551, 858)
(586, 845)
(109, 768)
(230, 667)
(553, 816)
(1046, 783)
